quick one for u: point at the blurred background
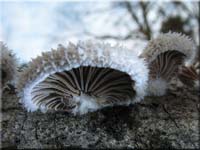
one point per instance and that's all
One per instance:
(29, 27)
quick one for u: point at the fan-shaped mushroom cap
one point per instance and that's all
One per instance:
(169, 41)
(74, 68)
(165, 54)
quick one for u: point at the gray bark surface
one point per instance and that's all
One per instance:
(170, 121)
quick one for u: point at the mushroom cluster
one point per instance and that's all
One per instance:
(88, 76)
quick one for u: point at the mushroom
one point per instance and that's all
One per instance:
(165, 54)
(83, 78)
(8, 65)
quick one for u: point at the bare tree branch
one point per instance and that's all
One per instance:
(130, 35)
(147, 29)
(143, 31)
(142, 23)
(143, 27)
(132, 13)
(194, 13)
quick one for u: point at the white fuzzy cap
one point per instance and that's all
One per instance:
(170, 41)
(166, 42)
(83, 54)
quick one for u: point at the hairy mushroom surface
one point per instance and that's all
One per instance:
(8, 65)
(165, 55)
(83, 78)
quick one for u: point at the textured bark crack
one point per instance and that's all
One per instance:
(157, 122)
(173, 120)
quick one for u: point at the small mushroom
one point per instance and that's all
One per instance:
(165, 54)
(8, 66)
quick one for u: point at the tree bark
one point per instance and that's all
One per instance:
(169, 121)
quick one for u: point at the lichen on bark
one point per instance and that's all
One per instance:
(170, 121)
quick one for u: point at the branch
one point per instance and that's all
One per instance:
(116, 37)
(146, 29)
(133, 15)
(191, 13)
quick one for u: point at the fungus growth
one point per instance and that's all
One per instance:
(165, 55)
(83, 78)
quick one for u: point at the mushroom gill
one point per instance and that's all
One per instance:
(165, 55)
(105, 85)
(166, 65)
(189, 75)
(83, 78)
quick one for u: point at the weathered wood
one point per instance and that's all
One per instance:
(170, 121)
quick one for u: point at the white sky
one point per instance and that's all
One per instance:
(28, 28)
